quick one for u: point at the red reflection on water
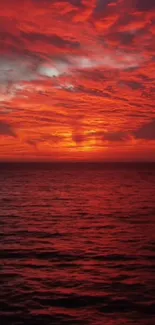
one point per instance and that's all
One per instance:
(79, 246)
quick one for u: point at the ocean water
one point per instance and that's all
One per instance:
(77, 244)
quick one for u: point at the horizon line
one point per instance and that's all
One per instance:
(2, 162)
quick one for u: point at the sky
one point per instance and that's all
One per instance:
(77, 80)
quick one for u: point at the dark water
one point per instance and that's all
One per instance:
(77, 244)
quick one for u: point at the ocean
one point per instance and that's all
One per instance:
(77, 244)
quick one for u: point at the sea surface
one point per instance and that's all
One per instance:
(77, 244)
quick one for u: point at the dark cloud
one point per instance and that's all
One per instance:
(52, 39)
(125, 38)
(146, 132)
(5, 36)
(144, 5)
(6, 129)
(78, 138)
(134, 85)
(77, 3)
(50, 138)
(94, 92)
(5, 110)
(101, 6)
(115, 136)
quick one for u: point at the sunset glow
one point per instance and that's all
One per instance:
(77, 80)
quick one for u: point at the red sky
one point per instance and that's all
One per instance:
(77, 80)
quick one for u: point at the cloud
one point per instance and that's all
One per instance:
(115, 136)
(101, 5)
(112, 136)
(16, 69)
(53, 39)
(5, 110)
(56, 69)
(6, 129)
(66, 86)
(45, 138)
(114, 60)
(78, 138)
(144, 5)
(135, 85)
(146, 131)
(76, 74)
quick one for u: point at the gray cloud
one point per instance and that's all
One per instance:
(144, 5)
(134, 85)
(115, 136)
(119, 136)
(78, 138)
(5, 110)
(16, 69)
(76, 3)
(124, 38)
(6, 129)
(146, 132)
(52, 39)
(101, 6)
(50, 138)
